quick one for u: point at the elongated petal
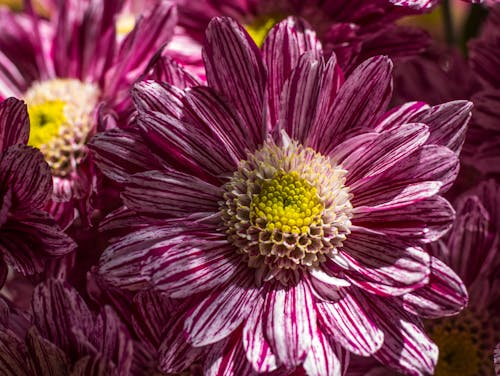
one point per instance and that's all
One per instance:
(221, 312)
(13, 355)
(290, 319)
(444, 295)
(92, 366)
(348, 323)
(14, 123)
(402, 114)
(360, 101)
(45, 357)
(235, 69)
(166, 69)
(258, 349)
(25, 171)
(158, 96)
(384, 265)
(282, 48)
(324, 359)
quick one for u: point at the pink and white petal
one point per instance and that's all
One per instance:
(58, 310)
(444, 295)
(282, 48)
(447, 123)
(166, 69)
(257, 348)
(119, 154)
(215, 116)
(201, 264)
(384, 265)
(399, 115)
(14, 123)
(227, 358)
(29, 177)
(388, 150)
(290, 321)
(222, 311)
(299, 98)
(347, 322)
(235, 69)
(354, 147)
(170, 195)
(351, 110)
(406, 347)
(325, 358)
(426, 220)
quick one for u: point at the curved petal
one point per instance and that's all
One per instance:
(444, 295)
(384, 265)
(290, 319)
(347, 322)
(326, 357)
(222, 311)
(235, 69)
(14, 123)
(45, 357)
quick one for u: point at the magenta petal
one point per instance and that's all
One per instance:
(221, 312)
(406, 347)
(14, 123)
(158, 96)
(235, 69)
(444, 295)
(166, 69)
(290, 320)
(402, 114)
(326, 358)
(299, 98)
(348, 323)
(384, 265)
(282, 48)
(171, 195)
(25, 171)
(258, 349)
(197, 265)
(351, 110)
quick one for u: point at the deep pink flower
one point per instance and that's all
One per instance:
(66, 69)
(355, 30)
(289, 205)
(29, 237)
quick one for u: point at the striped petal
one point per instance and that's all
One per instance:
(384, 265)
(235, 69)
(45, 357)
(14, 123)
(325, 358)
(258, 349)
(398, 115)
(290, 320)
(348, 323)
(93, 366)
(166, 69)
(158, 96)
(282, 48)
(13, 355)
(444, 295)
(221, 312)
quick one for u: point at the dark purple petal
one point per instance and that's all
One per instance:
(235, 69)
(158, 96)
(290, 319)
(14, 123)
(384, 265)
(282, 48)
(166, 69)
(221, 312)
(349, 324)
(444, 295)
(45, 357)
(13, 355)
(93, 366)
(360, 101)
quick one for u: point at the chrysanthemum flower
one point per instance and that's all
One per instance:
(290, 206)
(65, 69)
(355, 30)
(28, 235)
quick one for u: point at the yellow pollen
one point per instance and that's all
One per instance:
(287, 203)
(45, 121)
(259, 28)
(125, 24)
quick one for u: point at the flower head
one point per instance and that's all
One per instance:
(289, 205)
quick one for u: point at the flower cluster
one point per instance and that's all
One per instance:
(193, 187)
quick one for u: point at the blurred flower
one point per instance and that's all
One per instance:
(28, 236)
(289, 205)
(66, 69)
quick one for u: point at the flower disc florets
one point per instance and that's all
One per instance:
(286, 208)
(61, 120)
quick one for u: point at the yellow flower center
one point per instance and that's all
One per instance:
(287, 203)
(125, 24)
(45, 121)
(259, 28)
(15, 5)
(61, 123)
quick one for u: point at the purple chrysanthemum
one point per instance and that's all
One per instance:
(290, 206)
(28, 236)
(66, 69)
